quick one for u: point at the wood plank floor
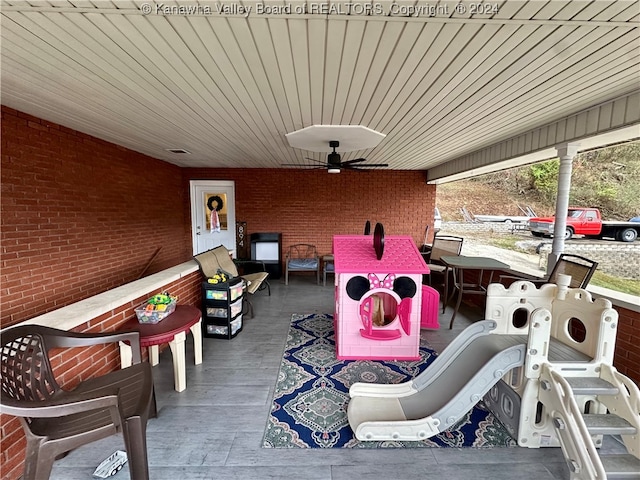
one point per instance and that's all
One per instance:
(213, 430)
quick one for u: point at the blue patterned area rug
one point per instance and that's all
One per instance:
(312, 393)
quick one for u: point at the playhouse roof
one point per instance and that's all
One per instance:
(355, 254)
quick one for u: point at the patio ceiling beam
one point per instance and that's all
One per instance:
(616, 121)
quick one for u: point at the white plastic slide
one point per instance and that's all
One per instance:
(439, 397)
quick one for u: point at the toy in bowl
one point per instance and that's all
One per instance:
(156, 308)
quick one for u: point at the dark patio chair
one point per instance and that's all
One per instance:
(443, 245)
(328, 267)
(580, 269)
(56, 421)
(302, 257)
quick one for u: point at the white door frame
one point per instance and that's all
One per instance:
(198, 228)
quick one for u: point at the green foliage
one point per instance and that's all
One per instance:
(545, 178)
(624, 285)
(508, 243)
(608, 179)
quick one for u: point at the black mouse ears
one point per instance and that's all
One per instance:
(378, 237)
(404, 287)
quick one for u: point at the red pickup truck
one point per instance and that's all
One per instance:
(587, 222)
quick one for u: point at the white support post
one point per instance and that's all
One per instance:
(566, 153)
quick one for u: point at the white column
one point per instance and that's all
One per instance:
(566, 152)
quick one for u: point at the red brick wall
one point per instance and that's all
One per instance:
(80, 216)
(627, 355)
(310, 206)
(73, 365)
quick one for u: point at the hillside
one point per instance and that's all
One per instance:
(480, 198)
(608, 179)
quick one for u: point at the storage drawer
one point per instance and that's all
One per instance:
(235, 291)
(217, 329)
(236, 325)
(221, 312)
(217, 312)
(236, 308)
(223, 291)
(215, 294)
(226, 330)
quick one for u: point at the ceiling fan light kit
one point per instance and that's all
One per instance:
(346, 138)
(350, 137)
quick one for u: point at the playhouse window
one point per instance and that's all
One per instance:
(385, 309)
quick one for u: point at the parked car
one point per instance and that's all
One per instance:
(437, 220)
(588, 222)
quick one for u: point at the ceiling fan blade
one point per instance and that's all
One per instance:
(357, 160)
(298, 165)
(320, 162)
(369, 165)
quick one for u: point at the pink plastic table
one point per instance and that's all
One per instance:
(171, 330)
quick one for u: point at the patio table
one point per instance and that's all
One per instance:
(172, 330)
(458, 264)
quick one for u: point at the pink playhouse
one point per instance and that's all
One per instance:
(378, 301)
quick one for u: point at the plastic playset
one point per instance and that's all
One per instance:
(542, 360)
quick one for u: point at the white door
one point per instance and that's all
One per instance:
(213, 215)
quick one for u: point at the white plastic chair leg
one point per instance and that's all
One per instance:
(179, 366)
(196, 330)
(126, 355)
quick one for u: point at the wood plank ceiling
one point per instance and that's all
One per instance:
(227, 87)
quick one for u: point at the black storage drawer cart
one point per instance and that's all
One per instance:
(222, 308)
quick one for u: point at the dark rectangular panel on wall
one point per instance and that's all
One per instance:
(242, 242)
(267, 248)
